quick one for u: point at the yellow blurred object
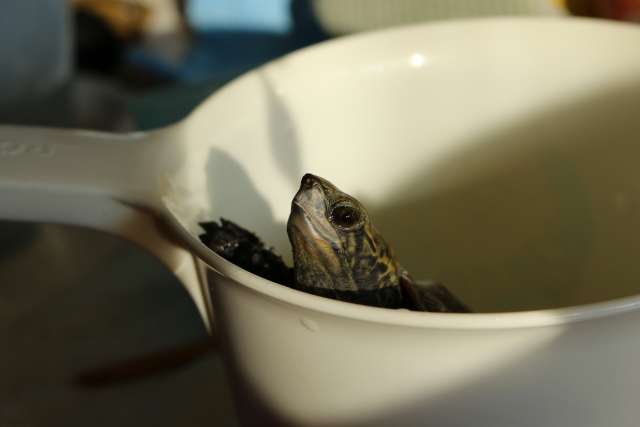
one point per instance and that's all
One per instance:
(127, 19)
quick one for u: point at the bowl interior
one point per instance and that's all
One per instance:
(498, 156)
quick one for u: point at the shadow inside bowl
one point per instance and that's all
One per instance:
(542, 213)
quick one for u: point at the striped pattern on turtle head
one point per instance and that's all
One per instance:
(335, 245)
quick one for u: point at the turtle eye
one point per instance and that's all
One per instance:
(345, 216)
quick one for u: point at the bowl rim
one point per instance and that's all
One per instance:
(477, 321)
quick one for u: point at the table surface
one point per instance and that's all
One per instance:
(73, 300)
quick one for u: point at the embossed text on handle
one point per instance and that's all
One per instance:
(37, 149)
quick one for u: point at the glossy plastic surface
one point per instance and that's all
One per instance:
(409, 121)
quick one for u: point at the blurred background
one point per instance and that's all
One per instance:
(84, 315)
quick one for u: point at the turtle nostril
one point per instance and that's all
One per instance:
(308, 181)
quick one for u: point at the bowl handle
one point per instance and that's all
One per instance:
(103, 181)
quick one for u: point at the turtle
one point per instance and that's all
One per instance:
(338, 253)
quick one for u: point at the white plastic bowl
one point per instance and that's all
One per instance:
(498, 156)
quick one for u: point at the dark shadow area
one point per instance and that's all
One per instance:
(283, 136)
(14, 235)
(74, 299)
(234, 197)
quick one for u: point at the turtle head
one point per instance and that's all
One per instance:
(335, 246)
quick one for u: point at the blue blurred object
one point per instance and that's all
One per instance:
(219, 54)
(242, 38)
(234, 36)
(240, 15)
(231, 53)
(36, 62)
(166, 106)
